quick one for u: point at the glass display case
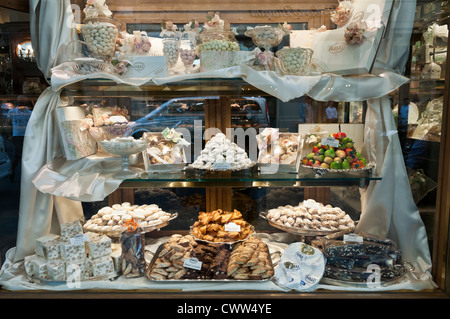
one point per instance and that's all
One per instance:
(242, 177)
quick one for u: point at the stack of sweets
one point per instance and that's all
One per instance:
(60, 257)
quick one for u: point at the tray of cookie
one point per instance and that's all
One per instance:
(111, 220)
(309, 218)
(221, 226)
(184, 258)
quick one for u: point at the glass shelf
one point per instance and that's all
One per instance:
(199, 86)
(248, 178)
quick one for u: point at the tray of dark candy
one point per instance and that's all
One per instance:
(368, 262)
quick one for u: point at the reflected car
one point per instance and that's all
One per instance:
(182, 112)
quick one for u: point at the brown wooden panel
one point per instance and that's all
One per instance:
(218, 198)
(319, 194)
(18, 5)
(313, 20)
(285, 8)
(121, 195)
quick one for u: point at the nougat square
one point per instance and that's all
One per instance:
(70, 230)
(48, 247)
(98, 245)
(56, 269)
(78, 270)
(36, 266)
(102, 266)
(72, 251)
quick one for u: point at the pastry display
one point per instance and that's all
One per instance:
(60, 257)
(221, 226)
(112, 219)
(169, 262)
(311, 215)
(222, 154)
(430, 121)
(108, 115)
(250, 260)
(336, 152)
(349, 258)
(283, 151)
(183, 258)
(165, 148)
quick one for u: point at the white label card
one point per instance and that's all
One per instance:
(330, 141)
(79, 239)
(353, 238)
(232, 227)
(222, 166)
(192, 263)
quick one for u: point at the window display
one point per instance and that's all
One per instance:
(193, 158)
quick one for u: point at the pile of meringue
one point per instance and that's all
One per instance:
(222, 154)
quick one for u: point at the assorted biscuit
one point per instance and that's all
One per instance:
(312, 215)
(113, 218)
(212, 226)
(248, 260)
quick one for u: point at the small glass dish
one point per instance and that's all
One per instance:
(124, 146)
(294, 61)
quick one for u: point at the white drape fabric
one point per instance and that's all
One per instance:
(388, 207)
(52, 25)
(41, 213)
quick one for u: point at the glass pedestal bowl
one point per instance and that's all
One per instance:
(294, 61)
(266, 38)
(125, 146)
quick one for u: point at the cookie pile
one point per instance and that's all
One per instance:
(211, 226)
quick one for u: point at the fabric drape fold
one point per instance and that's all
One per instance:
(52, 26)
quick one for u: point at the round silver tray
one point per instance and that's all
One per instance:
(207, 170)
(405, 268)
(151, 264)
(299, 231)
(252, 232)
(145, 229)
(319, 171)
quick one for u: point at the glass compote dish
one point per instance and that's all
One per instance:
(294, 61)
(266, 38)
(125, 146)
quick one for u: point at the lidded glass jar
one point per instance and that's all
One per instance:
(100, 33)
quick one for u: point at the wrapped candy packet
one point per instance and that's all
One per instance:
(165, 148)
(132, 242)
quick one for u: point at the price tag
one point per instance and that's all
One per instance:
(192, 263)
(222, 166)
(232, 227)
(354, 238)
(330, 141)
